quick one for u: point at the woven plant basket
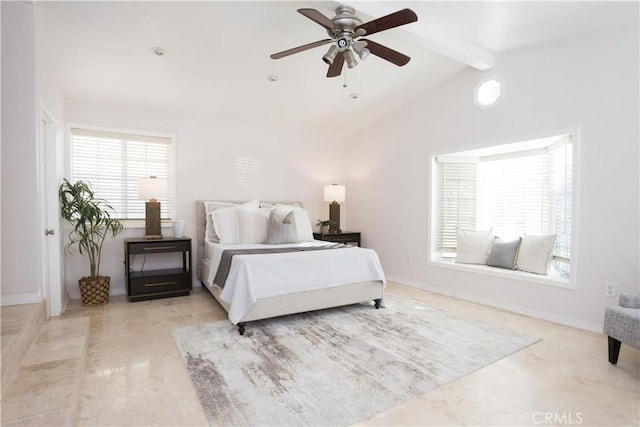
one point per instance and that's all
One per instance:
(94, 291)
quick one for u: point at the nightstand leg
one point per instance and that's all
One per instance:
(241, 326)
(377, 301)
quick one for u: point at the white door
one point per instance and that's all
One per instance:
(51, 260)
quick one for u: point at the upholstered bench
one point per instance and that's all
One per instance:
(622, 325)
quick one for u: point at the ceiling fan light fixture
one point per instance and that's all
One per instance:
(360, 49)
(330, 55)
(344, 29)
(350, 58)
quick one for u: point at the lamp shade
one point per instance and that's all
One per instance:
(152, 188)
(334, 193)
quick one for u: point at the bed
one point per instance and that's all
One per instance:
(265, 280)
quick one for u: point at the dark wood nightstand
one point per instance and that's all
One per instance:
(158, 283)
(348, 237)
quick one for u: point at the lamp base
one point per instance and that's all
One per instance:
(153, 237)
(152, 221)
(334, 215)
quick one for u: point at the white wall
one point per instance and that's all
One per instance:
(294, 166)
(589, 82)
(21, 263)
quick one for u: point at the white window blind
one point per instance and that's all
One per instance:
(112, 163)
(457, 201)
(562, 182)
(518, 191)
(515, 196)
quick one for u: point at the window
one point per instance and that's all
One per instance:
(515, 189)
(488, 92)
(113, 162)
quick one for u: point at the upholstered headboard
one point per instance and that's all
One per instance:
(201, 218)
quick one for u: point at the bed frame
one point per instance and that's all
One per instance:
(291, 303)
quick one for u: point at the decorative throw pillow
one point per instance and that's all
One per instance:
(287, 225)
(503, 254)
(473, 246)
(253, 225)
(535, 253)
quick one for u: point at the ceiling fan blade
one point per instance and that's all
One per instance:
(335, 69)
(317, 17)
(300, 49)
(386, 53)
(395, 19)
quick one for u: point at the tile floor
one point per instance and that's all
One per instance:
(117, 365)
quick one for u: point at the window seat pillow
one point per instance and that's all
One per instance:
(504, 254)
(535, 253)
(473, 246)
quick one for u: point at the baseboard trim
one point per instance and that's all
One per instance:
(504, 305)
(20, 298)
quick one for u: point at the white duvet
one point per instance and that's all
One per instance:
(259, 276)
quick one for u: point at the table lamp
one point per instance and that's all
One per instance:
(334, 193)
(151, 189)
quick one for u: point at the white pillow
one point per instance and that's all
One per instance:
(535, 253)
(253, 225)
(210, 231)
(473, 246)
(225, 221)
(304, 230)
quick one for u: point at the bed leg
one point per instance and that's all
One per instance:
(241, 326)
(377, 301)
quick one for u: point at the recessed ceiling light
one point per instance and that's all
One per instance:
(158, 51)
(272, 78)
(355, 95)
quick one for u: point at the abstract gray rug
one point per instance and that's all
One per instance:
(334, 367)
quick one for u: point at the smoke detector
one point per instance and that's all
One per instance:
(158, 51)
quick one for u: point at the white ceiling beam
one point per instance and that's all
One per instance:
(434, 39)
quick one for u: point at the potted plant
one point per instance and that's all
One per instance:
(324, 225)
(92, 221)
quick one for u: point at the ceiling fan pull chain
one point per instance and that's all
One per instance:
(345, 78)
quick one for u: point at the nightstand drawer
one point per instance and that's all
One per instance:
(159, 284)
(150, 247)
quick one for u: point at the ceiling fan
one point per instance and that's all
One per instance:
(346, 30)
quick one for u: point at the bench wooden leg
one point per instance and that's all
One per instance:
(614, 350)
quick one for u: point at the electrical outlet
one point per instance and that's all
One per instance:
(610, 289)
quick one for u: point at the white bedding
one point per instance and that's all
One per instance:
(254, 277)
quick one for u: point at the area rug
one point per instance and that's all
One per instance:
(334, 367)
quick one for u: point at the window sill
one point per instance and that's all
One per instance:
(523, 276)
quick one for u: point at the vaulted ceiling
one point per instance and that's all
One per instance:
(217, 60)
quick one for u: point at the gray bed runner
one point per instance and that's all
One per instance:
(228, 254)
